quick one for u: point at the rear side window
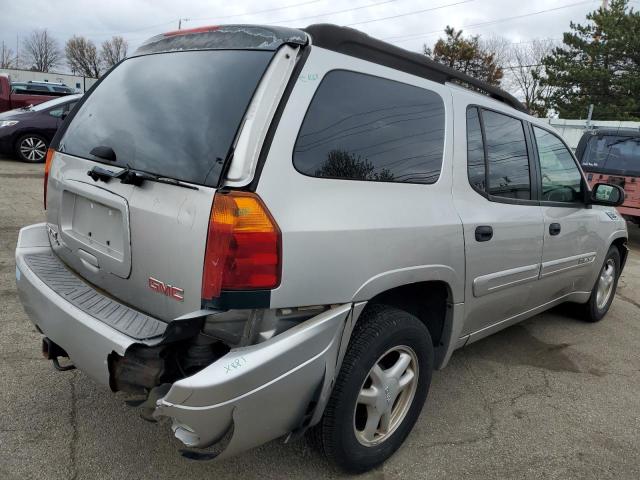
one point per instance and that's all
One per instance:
(475, 151)
(360, 127)
(508, 160)
(497, 156)
(171, 114)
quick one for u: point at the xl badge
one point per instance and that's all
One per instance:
(167, 290)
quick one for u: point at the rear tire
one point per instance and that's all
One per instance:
(380, 390)
(605, 288)
(32, 148)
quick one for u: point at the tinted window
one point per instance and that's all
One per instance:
(508, 158)
(184, 126)
(561, 179)
(475, 150)
(613, 154)
(360, 127)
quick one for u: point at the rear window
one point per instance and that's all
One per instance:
(171, 114)
(613, 154)
(360, 127)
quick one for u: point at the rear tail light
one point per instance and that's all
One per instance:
(47, 168)
(243, 246)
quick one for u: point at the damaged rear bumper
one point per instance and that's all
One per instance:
(248, 396)
(259, 392)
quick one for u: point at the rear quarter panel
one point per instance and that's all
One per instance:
(348, 240)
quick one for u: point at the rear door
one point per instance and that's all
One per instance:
(572, 246)
(172, 115)
(502, 221)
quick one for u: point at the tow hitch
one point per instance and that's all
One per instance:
(51, 351)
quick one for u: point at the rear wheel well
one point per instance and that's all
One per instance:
(428, 301)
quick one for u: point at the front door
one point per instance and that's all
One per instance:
(571, 243)
(503, 224)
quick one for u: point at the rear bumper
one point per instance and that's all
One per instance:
(629, 211)
(258, 393)
(87, 340)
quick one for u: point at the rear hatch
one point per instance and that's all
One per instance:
(167, 118)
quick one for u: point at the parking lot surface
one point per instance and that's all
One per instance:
(550, 398)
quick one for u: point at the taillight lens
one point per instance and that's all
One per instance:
(243, 246)
(47, 168)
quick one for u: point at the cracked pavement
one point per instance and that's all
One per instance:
(549, 398)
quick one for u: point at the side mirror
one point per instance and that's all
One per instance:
(607, 194)
(57, 113)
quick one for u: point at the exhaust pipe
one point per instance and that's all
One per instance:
(51, 351)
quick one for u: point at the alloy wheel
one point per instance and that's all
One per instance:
(605, 284)
(386, 395)
(33, 149)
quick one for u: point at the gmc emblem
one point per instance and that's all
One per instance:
(167, 290)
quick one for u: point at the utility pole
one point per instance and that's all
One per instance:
(589, 116)
(180, 20)
(17, 51)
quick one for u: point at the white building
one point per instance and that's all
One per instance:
(80, 84)
(572, 130)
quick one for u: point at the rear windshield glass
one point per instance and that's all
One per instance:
(613, 154)
(171, 114)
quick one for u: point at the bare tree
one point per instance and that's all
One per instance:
(500, 47)
(113, 51)
(82, 57)
(526, 73)
(42, 51)
(7, 58)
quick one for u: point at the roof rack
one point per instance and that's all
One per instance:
(360, 45)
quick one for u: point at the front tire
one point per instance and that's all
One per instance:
(32, 148)
(380, 390)
(605, 288)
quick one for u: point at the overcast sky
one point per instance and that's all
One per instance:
(407, 23)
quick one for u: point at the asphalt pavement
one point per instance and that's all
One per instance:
(549, 398)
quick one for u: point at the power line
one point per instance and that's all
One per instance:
(261, 11)
(174, 20)
(408, 13)
(333, 13)
(403, 38)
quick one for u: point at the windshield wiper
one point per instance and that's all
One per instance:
(129, 176)
(623, 140)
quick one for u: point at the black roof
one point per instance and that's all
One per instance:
(360, 45)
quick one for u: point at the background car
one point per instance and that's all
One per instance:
(612, 155)
(27, 132)
(41, 87)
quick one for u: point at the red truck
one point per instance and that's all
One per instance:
(10, 99)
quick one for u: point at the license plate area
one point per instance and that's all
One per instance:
(94, 224)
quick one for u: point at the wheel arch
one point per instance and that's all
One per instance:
(619, 240)
(431, 301)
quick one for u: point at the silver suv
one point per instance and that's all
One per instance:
(293, 228)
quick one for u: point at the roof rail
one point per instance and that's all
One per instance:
(360, 45)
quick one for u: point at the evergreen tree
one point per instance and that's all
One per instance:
(466, 55)
(599, 64)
